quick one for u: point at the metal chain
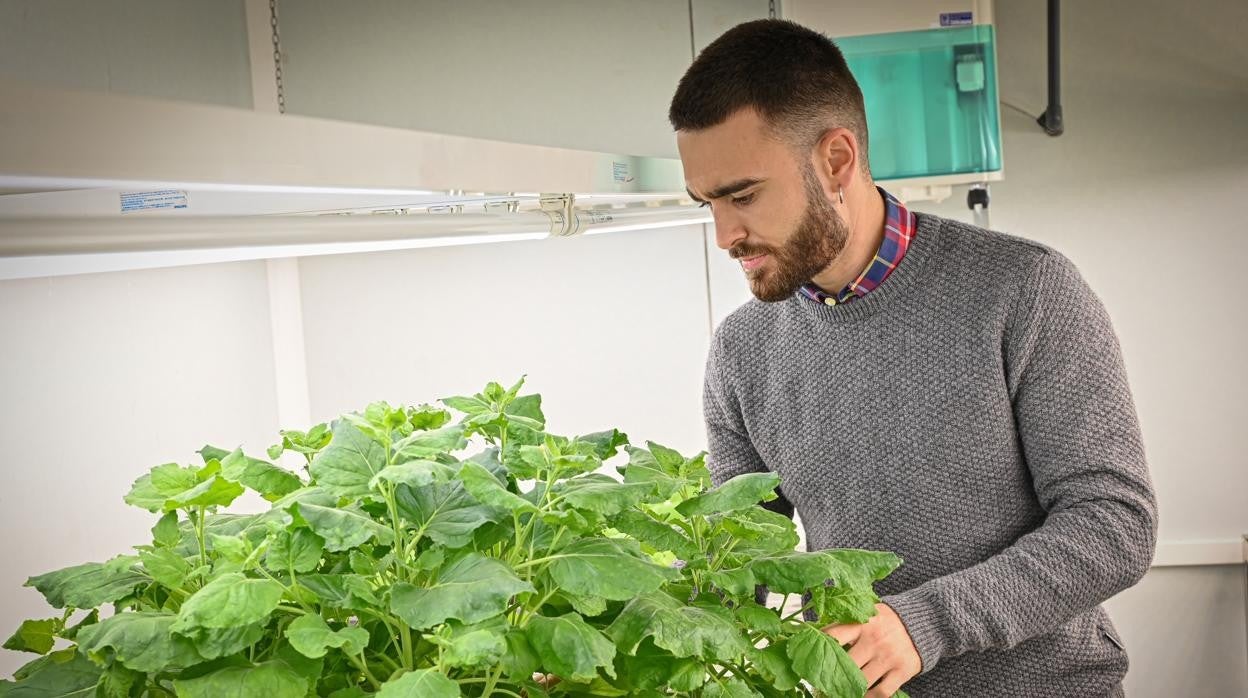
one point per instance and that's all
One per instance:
(277, 58)
(771, 9)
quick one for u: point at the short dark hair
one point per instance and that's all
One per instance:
(796, 78)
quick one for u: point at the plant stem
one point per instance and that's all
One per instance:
(198, 520)
(392, 507)
(405, 634)
(493, 679)
(363, 667)
(798, 612)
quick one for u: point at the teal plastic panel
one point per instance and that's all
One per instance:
(931, 100)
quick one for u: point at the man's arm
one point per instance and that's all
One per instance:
(1081, 441)
(731, 452)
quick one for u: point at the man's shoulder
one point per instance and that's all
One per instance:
(967, 241)
(980, 254)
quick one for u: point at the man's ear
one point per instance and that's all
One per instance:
(835, 160)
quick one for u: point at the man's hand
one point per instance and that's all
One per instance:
(882, 648)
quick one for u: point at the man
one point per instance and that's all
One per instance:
(922, 386)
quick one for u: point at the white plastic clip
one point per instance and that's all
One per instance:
(563, 219)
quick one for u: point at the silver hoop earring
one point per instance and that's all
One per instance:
(841, 193)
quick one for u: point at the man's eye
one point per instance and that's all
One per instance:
(704, 204)
(743, 200)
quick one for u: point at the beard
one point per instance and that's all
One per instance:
(817, 240)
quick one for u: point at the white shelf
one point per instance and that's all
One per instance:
(247, 184)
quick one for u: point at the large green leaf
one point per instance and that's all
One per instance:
(215, 491)
(169, 486)
(165, 533)
(732, 688)
(234, 549)
(863, 566)
(142, 640)
(417, 473)
(486, 488)
(269, 480)
(422, 683)
(685, 631)
(349, 591)
(312, 637)
(795, 572)
(349, 463)
(480, 644)
(212, 643)
(773, 663)
(89, 585)
(605, 443)
(165, 566)
(117, 681)
(519, 662)
(63, 674)
(649, 668)
(737, 581)
(444, 512)
(423, 445)
(819, 659)
(254, 527)
(343, 529)
(656, 534)
(759, 532)
(470, 589)
(310, 669)
(844, 604)
(159, 484)
(741, 492)
(299, 550)
(609, 568)
(274, 679)
(758, 618)
(37, 636)
(644, 467)
(602, 494)
(569, 647)
(229, 601)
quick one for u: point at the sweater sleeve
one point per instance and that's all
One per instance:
(730, 451)
(1081, 441)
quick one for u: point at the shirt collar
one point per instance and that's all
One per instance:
(899, 230)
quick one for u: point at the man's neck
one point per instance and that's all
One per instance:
(866, 232)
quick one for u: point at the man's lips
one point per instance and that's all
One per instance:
(752, 263)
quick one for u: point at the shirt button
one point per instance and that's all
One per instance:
(829, 301)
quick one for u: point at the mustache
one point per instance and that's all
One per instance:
(741, 250)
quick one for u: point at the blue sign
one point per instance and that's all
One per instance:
(956, 19)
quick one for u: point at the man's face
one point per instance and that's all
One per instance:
(770, 211)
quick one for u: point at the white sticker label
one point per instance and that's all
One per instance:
(621, 172)
(147, 200)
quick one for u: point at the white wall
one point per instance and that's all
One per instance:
(611, 329)
(104, 376)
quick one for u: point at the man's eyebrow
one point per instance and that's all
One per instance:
(727, 189)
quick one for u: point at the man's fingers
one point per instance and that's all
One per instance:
(861, 653)
(890, 684)
(844, 634)
(874, 671)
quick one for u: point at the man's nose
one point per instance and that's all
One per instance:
(728, 228)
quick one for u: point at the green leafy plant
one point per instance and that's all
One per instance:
(399, 566)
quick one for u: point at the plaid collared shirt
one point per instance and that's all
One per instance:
(899, 230)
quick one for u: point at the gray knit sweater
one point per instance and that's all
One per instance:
(972, 415)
